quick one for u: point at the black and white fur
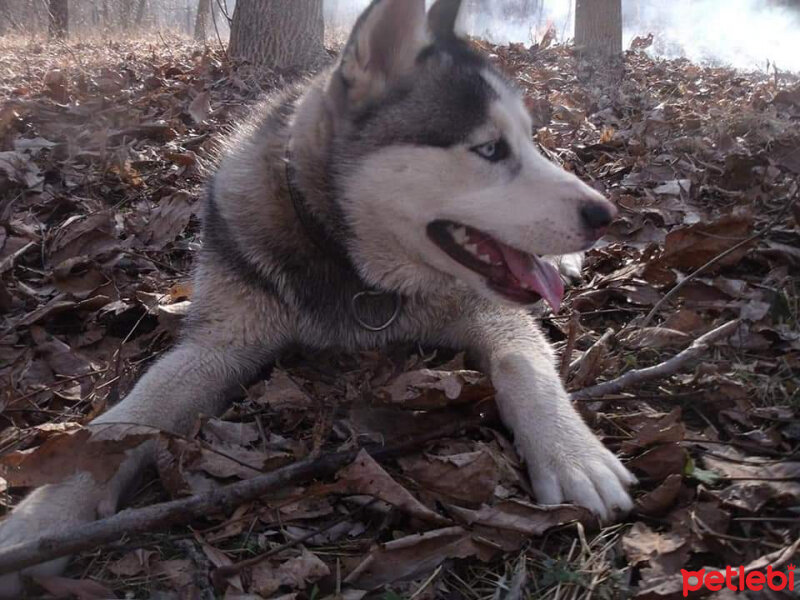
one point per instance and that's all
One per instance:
(401, 133)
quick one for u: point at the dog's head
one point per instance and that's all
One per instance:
(435, 166)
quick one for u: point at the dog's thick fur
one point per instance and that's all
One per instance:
(380, 147)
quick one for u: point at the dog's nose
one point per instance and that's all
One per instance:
(598, 216)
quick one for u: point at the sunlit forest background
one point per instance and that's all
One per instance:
(747, 34)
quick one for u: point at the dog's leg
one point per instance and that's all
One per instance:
(195, 378)
(565, 460)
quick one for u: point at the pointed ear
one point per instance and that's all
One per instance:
(443, 17)
(383, 47)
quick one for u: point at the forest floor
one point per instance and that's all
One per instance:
(101, 153)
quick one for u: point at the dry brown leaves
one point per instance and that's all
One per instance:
(101, 149)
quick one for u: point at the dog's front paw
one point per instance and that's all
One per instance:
(570, 464)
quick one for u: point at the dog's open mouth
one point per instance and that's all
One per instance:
(515, 275)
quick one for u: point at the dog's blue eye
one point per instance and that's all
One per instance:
(494, 151)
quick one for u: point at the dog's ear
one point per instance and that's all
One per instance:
(382, 48)
(443, 17)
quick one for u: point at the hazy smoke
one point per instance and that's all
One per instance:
(745, 34)
(742, 33)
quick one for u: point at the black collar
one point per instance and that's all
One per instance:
(322, 238)
(313, 227)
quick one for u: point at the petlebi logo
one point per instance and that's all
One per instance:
(737, 580)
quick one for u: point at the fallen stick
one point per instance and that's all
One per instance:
(574, 325)
(90, 536)
(659, 371)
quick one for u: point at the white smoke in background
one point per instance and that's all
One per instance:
(741, 33)
(744, 34)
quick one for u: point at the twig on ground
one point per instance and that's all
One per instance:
(220, 574)
(8, 262)
(662, 370)
(202, 566)
(757, 235)
(150, 518)
(602, 341)
(566, 357)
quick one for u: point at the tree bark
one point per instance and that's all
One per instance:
(58, 16)
(201, 21)
(4, 17)
(126, 14)
(598, 27)
(140, 12)
(278, 34)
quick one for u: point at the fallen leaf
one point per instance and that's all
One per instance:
(661, 462)
(655, 338)
(133, 563)
(642, 544)
(427, 389)
(755, 489)
(365, 476)
(82, 589)
(415, 556)
(87, 237)
(64, 454)
(167, 221)
(659, 501)
(19, 167)
(296, 573)
(522, 517)
(689, 248)
(470, 477)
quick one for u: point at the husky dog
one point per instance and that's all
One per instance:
(396, 197)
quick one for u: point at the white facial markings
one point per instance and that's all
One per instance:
(509, 113)
(536, 210)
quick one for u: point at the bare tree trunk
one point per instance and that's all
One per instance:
(598, 27)
(188, 17)
(58, 11)
(4, 16)
(140, 12)
(200, 22)
(280, 34)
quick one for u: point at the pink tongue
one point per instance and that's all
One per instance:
(541, 277)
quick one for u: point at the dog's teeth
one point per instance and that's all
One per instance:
(459, 235)
(471, 248)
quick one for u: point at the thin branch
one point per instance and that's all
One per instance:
(151, 518)
(662, 370)
(566, 357)
(757, 235)
(219, 38)
(576, 365)
(8, 262)
(220, 574)
(224, 11)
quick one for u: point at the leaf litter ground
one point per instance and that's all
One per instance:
(102, 147)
